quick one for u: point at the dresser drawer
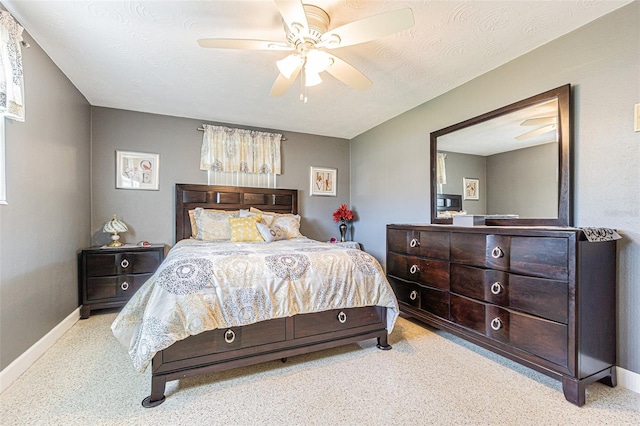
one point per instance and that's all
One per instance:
(435, 301)
(434, 273)
(546, 257)
(420, 243)
(227, 339)
(335, 320)
(122, 262)
(540, 337)
(536, 296)
(114, 287)
(406, 292)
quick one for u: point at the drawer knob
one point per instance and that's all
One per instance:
(414, 269)
(496, 324)
(124, 286)
(124, 263)
(496, 288)
(413, 295)
(342, 317)
(497, 253)
(229, 336)
(414, 242)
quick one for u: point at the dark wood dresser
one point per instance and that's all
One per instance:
(110, 276)
(544, 297)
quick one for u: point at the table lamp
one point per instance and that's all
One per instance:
(114, 226)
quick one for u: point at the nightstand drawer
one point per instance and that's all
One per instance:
(118, 286)
(103, 264)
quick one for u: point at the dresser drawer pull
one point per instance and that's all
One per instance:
(414, 242)
(124, 286)
(413, 295)
(496, 288)
(414, 269)
(496, 324)
(124, 263)
(229, 336)
(342, 317)
(497, 253)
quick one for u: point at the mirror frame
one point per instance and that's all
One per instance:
(565, 144)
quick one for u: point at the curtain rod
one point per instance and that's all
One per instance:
(202, 130)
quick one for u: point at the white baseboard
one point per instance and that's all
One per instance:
(14, 370)
(628, 379)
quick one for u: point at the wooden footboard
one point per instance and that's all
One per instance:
(224, 349)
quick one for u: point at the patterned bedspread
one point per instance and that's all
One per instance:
(202, 286)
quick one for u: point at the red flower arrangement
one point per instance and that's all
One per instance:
(343, 214)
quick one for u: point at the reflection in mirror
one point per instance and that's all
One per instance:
(510, 165)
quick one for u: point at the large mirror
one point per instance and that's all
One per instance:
(511, 165)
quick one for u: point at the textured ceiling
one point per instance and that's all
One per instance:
(143, 55)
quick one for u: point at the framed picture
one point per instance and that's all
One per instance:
(471, 188)
(323, 181)
(137, 170)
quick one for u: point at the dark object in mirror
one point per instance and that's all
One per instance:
(449, 203)
(519, 154)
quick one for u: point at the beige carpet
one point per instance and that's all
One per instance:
(429, 377)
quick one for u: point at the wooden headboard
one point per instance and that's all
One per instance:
(189, 196)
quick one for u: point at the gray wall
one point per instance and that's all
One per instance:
(47, 218)
(524, 182)
(390, 163)
(150, 214)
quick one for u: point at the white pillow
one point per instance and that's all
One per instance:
(213, 224)
(273, 233)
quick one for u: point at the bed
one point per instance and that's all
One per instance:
(217, 305)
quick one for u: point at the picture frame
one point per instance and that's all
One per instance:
(471, 188)
(324, 181)
(137, 170)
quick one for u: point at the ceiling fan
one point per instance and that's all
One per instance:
(548, 124)
(307, 36)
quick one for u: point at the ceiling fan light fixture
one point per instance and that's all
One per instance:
(289, 64)
(317, 61)
(311, 78)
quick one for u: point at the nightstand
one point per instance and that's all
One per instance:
(349, 244)
(108, 277)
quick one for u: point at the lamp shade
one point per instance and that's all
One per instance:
(114, 227)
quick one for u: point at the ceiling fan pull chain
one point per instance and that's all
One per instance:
(303, 87)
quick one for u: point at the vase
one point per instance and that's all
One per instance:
(343, 231)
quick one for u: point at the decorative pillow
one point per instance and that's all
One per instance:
(244, 229)
(289, 222)
(267, 219)
(275, 233)
(212, 225)
(256, 210)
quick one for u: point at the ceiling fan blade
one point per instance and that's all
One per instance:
(231, 43)
(348, 74)
(369, 28)
(540, 121)
(282, 83)
(293, 15)
(537, 132)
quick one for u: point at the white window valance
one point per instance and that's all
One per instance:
(11, 79)
(226, 149)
